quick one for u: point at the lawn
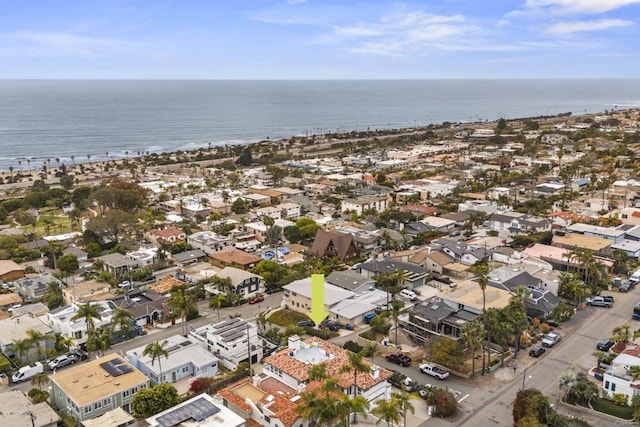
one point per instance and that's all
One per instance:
(608, 407)
(287, 317)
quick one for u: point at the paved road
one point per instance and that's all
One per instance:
(490, 403)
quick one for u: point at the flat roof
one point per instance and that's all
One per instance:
(582, 241)
(469, 294)
(89, 382)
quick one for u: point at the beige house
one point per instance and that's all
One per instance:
(87, 291)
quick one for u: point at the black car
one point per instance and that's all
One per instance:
(536, 351)
(399, 359)
(307, 323)
(80, 354)
(604, 345)
(331, 325)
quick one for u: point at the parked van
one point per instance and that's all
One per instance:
(408, 294)
(635, 277)
(27, 372)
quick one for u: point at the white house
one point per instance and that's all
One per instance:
(231, 341)
(617, 378)
(292, 367)
(185, 358)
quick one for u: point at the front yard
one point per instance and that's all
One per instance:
(287, 318)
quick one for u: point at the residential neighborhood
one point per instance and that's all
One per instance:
(459, 245)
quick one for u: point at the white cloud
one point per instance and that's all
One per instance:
(584, 26)
(55, 43)
(580, 6)
(296, 1)
(406, 34)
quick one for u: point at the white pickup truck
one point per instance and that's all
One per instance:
(434, 370)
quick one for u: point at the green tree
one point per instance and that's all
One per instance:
(182, 304)
(388, 410)
(68, 264)
(357, 365)
(472, 337)
(111, 225)
(240, 206)
(22, 347)
(157, 350)
(121, 321)
(404, 401)
(482, 273)
(40, 380)
(100, 340)
(445, 351)
(36, 337)
(89, 313)
(150, 401)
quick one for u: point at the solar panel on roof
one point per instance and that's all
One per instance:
(198, 410)
(126, 369)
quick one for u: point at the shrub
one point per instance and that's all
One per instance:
(201, 385)
(368, 335)
(38, 396)
(5, 365)
(545, 328)
(445, 403)
(620, 399)
(323, 333)
(352, 346)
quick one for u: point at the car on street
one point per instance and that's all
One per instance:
(605, 344)
(400, 380)
(551, 339)
(256, 300)
(61, 361)
(536, 351)
(331, 325)
(599, 301)
(80, 355)
(399, 359)
(310, 323)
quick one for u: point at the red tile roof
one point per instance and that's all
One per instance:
(300, 371)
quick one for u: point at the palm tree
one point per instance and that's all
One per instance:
(261, 320)
(567, 382)
(89, 313)
(634, 371)
(622, 334)
(482, 272)
(35, 338)
(600, 356)
(217, 301)
(156, 350)
(372, 349)
(182, 304)
(40, 380)
(472, 334)
(122, 318)
(357, 365)
(22, 347)
(404, 400)
(396, 308)
(100, 340)
(357, 405)
(388, 410)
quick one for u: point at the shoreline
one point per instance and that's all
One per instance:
(77, 168)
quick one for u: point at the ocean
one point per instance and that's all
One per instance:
(93, 120)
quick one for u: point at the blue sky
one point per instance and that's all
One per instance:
(319, 39)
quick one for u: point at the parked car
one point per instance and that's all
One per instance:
(625, 286)
(605, 345)
(608, 298)
(331, 325)
(537, 351)
(60, 361)
(307, 323)
(398, 359)
(551, 339)
(369, 317)
(434, 370)
(256, 300)
(80, 355)
(400, 380)
(27, 372)
(599, 301)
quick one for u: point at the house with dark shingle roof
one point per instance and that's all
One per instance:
(327, 244)
(540, 302)
(415, 275)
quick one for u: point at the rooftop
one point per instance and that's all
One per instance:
(15, 408)
(91, 381)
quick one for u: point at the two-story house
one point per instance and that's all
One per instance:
(292, 367)
(517, 222)
(90, 389)
(231, 341)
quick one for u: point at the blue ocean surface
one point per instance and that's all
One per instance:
(90, 120)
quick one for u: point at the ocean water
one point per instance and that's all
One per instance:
(48, 119)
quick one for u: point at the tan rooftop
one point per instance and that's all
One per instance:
(468, 293)
(89, 382)
(595, 244)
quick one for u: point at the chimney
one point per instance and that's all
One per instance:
(294, 342)
(375, 371)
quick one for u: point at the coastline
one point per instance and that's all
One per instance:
(80, 168)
